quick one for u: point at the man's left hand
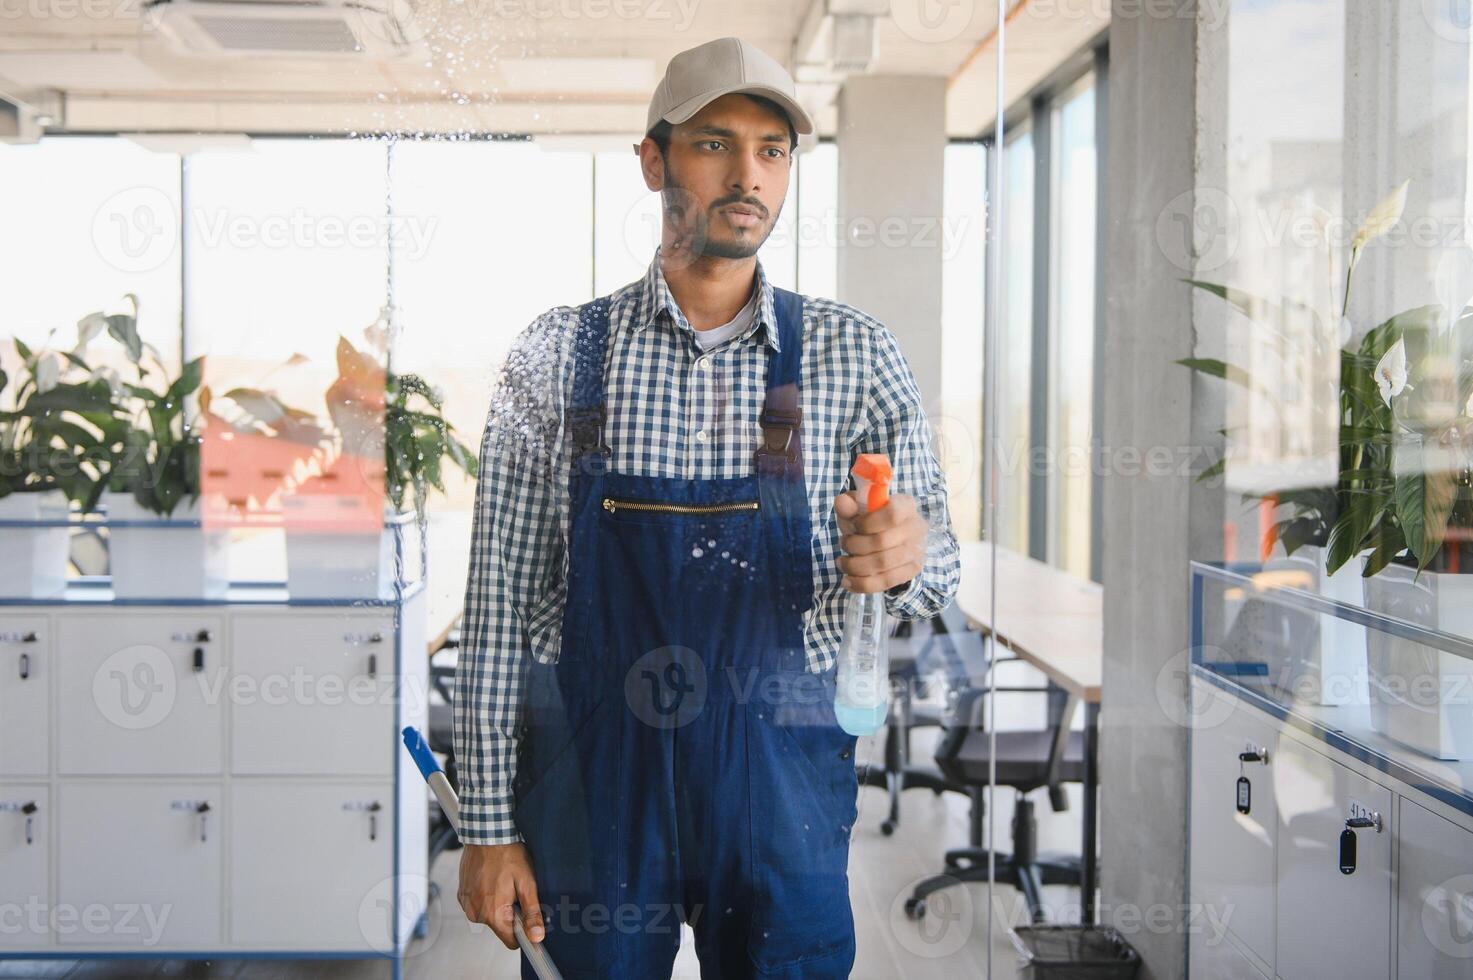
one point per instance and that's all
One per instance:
(883, 548)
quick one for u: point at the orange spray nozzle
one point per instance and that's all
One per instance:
(872, 475)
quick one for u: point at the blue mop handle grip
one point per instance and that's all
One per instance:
(429, 767)
(420, 752)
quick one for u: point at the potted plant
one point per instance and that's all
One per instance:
(1402, 508)
(55, 421)
(163, 541)
(390, 440)
(259, 449)
(1309, 536)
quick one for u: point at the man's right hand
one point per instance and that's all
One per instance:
(494, 876)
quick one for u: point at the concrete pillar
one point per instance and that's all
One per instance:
(892, 142)
(1149, 533)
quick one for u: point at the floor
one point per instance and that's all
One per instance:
(948, 943)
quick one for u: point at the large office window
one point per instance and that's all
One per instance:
(489, 236)
(90, 219)
(286, 250)
(963, 293)
(1015, 346)
(1072, 328)
(1047, 468)
(279, 247)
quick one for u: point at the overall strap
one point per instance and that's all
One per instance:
(590, 452)
(781, 452)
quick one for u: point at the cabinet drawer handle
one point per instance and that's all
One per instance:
(203, 810)
(199, 659)
(373, 665)
(373, 809)
(29, 809)
(25, 666)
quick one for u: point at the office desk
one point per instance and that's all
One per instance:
(1054, 621)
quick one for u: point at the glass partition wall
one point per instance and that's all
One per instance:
(254, 380)
(1331, 735)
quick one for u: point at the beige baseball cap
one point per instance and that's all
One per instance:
(700, 75)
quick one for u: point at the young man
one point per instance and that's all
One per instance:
(644, 715)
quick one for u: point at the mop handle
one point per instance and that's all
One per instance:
(450, 803)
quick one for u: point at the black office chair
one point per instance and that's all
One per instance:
(1026, 761)
(920, 652)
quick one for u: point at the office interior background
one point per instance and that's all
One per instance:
(1184, 287)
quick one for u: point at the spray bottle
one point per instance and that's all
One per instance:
(862, 698)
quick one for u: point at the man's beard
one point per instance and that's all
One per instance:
(695, 235)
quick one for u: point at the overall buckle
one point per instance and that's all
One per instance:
(587, 425)
(778, 426)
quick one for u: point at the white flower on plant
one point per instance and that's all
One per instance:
(1391, 372)
(1382, 218)
(87, 328)
(1347, 330)
(48, 372)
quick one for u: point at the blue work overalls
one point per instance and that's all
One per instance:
(679, 763)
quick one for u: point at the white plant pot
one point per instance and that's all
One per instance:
(35, 558)
(1331, 668)
(167, 561)
(350, 561)
(1421, 696)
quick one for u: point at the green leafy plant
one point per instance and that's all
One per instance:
(1405, 475)
(417, 441)
(417, 438)
(57, 424)
(155, 437)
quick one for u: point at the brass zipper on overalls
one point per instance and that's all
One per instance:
(613, 506)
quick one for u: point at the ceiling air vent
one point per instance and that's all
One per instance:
(264, 28)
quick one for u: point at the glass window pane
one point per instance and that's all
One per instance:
(94, 218)
(958, 429)
(818, 210)
(471, 215)
(288, 250)
(1072, 332)
(1015, 342)
(626, 222)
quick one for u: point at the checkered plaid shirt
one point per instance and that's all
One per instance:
(672, 412)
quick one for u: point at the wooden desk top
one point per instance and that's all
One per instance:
(1048, 617)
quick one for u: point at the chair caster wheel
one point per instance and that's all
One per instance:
(888, 828)
(915, 908)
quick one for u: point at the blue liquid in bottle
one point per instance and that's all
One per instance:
(862, 698)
